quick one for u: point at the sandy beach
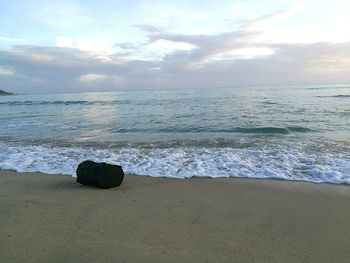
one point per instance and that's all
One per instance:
(50, 218)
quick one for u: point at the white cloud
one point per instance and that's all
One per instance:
(92, 45)
(152, 49)
(159, 48)
(6, 71)
(241, 53)
(169, 46)
(42, 57)
(93, 77)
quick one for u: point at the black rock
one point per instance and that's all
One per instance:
(102, 175)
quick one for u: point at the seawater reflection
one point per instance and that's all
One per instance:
(141, 116)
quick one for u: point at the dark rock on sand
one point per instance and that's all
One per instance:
(102, 175)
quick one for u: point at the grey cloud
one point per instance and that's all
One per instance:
(47, 69)
(53, 69)
(127, 46)
(206, 45)
(148, 28)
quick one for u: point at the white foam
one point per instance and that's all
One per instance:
(280, 162)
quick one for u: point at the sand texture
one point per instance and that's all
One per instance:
(53, 219)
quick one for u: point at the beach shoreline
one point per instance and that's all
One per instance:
(51, 218)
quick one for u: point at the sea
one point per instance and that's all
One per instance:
(297, 133)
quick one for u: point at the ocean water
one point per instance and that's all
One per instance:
(292, 133)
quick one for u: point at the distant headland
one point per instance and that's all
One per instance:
(2, 92)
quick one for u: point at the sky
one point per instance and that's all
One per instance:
(73, 46)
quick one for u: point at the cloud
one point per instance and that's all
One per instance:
(42, 57)
(71, 69)
(148, 28)
(92, 77)
(232, 58)
(207, 46)
(127, 46)
(6, 71)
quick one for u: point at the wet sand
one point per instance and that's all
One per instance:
(50, 218)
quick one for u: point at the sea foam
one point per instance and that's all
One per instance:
(278, 162)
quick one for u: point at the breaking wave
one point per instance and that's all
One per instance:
(278, 161)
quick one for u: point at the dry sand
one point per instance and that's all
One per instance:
(52, 219)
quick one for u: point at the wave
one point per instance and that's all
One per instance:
(336, 96)
(269, 103)
(94, 102)
(253, 130)
(328, 87)
(293, 162)
(59, 102)
(273, 130)
(299, 129)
